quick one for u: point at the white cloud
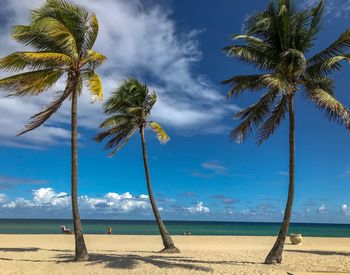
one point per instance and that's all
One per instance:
(198, 208)
(138, 41)
(322, 209)
(345, 209)
(334, 8)
(245, 211)
(116, 197)
(215, 166)
(143, 197)
(283, 173)
(3, 198)
(44, 196)
(50, 200)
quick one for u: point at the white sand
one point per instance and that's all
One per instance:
(53, 254)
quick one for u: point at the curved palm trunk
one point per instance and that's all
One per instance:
(80, 248)
(275, 255)
(168, 243)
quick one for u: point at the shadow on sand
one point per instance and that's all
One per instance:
(320, 252)
(24, 249)
(127, 261)
(131, 261)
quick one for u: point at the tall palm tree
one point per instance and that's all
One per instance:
(62, 35)
(277, 42)
(129, 108)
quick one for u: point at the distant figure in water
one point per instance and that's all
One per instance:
(109, 231)
(65, 230)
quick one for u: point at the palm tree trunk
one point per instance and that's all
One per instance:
(168, 243)
(80, 248)
(275, 255)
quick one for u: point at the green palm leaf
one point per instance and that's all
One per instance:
(30, 83)
(328, 65)
(128, 109)
(253, 116)
(333, 108)
(339, 47)
(273, 121)
(34, 61)
(40, 118)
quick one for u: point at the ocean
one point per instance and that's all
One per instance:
(137, 227)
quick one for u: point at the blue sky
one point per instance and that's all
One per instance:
(175, 47)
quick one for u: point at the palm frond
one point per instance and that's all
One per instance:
(315, 26)
(128, 108)
(334, 110)
(74, 18)
(150, 100)
(253, 116)
(91, 32)
(299, 37)
(56, 30)
(245, 82)
(339, 47)
(273, 121)
(115, 121)
(130, 94)
(94, 85)
(35, 38)
(30, 83)
(34, 61)
(325, 83)
(160, 133)
(117, 137)
(252, 55)
(93, 59)
(327, 66)
(40, 118)
(277, 81)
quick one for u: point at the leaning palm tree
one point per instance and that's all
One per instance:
(61, 35)
(277, 42)
(129, 108)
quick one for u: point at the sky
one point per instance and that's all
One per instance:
(176, 48)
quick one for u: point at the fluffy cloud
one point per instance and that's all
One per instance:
(3, 198)
(139, 41)
(345, 209)
(198, 208)
(322, 209)
(48, 199)
(45, 198)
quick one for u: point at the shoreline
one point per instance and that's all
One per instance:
(138, 254)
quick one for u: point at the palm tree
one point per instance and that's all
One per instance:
(62, 35)
(277, 42)
(129, 108)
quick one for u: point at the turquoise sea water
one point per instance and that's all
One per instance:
(48, 226)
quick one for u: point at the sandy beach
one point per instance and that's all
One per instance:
(118, 254)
